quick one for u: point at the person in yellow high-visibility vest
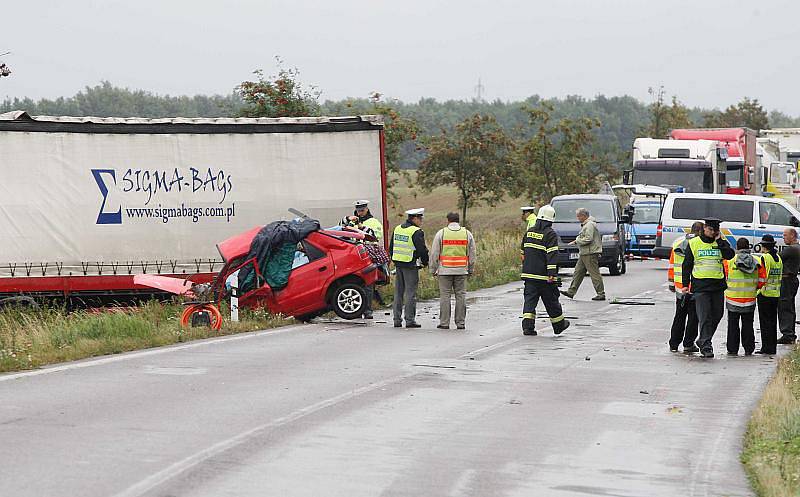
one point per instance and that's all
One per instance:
(452, 260)
(528, 216)
(742, 273)
(684, 324)
(409, 253)
(703, 272)
(768, 300)
(363, 220)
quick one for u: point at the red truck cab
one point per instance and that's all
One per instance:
(740, 144)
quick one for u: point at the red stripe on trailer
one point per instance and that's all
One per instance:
(384, 204)
(66, 285)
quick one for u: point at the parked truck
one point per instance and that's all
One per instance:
(88, 203)
(740, 155)
(788, 140)
(774, 177)
(679, 165)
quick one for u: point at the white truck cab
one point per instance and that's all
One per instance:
(689, 166)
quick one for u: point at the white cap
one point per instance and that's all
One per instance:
(361, 203)
(527, 208)
(415, 212)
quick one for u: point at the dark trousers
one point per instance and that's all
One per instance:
(548, 292)
(787, 314)
(405, 294)
(768, 319)
(710, 307)
(747, 335)
(684, 324)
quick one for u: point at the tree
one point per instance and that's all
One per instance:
(399, 132)
(279, 96)
(556, 159)
(746, 114)
(663, 117)
(474, 157)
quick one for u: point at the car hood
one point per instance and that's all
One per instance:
(572, 229)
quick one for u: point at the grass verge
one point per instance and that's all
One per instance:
(29, 339)
(771, 452)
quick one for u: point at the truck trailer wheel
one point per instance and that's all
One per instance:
(349, 301)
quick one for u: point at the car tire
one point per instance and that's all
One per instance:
(618, 268)
(349, 301)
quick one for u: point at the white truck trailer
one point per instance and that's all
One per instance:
(87, 203)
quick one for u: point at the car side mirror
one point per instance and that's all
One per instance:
(794, 222)
(627, 214)
(626, 177)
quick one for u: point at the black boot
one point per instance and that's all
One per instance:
(560, 327)
(529, 327)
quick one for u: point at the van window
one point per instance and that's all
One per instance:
(694, 209)
(769, 213)
(601, 210)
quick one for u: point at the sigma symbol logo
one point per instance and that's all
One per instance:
(110, 210)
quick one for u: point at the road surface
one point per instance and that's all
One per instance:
(344, 409)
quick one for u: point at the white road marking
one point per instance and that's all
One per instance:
(188, 463)
(144, 353)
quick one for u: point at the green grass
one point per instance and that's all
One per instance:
(29, 339)
(771, 452)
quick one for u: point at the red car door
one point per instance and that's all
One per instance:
(304, 292)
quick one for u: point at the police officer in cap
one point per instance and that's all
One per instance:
(363, 219)
(529, 216)
(704, 275)
(409, 254)
(769, 295)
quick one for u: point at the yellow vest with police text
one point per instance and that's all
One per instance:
(402, 245)
(707, 260)
(774, 273)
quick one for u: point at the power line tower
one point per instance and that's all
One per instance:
(4, 70)
(479, 89)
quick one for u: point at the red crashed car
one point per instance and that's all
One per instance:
(332, 275)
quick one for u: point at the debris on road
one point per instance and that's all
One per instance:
(645, 392)
(633, 301)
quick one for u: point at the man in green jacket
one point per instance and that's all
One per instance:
(590, 246)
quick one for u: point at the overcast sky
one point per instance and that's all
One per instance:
(708, 52)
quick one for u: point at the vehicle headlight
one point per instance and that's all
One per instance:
(610, 238)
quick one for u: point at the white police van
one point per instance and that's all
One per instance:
(746, 216)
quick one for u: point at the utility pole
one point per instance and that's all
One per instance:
(479, 89)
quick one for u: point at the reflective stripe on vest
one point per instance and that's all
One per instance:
(676, 272)
(774, 270)
(742, 287)
(707, 260)
(454, 248)
(402, 245)
(375, 226)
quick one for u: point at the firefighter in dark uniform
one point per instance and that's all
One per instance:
(704, 275)
(539, 272)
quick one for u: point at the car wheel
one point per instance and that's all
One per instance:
(349, 301)
(619, 267)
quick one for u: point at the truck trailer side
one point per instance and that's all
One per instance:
(88, 203)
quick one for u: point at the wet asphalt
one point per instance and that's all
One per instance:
(353, 409)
